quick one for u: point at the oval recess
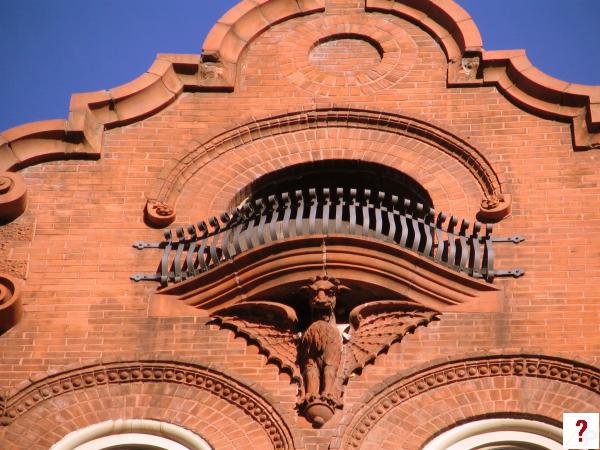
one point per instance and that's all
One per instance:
(346, 53)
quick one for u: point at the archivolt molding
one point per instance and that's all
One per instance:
(173, 179)
(252, 403)
(402, 387)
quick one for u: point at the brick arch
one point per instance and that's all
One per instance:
(420, 150)
(417, 405)
(192, 396)
(532, 424)
(447, 183)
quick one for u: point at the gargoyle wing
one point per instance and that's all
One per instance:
(376, 325)
(272, 326)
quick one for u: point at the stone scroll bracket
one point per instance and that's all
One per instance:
(11, 310)
(13, 196)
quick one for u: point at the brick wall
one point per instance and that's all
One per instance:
(81, 307)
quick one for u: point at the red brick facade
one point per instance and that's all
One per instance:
(401, 83)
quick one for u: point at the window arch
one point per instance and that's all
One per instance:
(132, 434)
(499, 434)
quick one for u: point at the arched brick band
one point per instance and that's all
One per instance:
(173, 179)
(218, 384)
(402, 388)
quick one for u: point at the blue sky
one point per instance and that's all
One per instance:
(52, 48)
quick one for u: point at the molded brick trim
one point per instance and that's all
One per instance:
(91, 113)
(255, 404)
(405, 386)
(249, 18)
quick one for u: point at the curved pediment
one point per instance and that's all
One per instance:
(373, 269)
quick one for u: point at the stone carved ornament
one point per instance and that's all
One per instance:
(320, 358)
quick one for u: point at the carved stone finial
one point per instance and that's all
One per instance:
(10, 302)
(13, 196)
(159, 214)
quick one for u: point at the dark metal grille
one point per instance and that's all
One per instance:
(444, 239)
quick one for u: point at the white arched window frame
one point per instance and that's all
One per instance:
(138, 434)
(499, 434)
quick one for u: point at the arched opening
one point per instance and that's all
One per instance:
(499, 434)
(337, 173)
(132, 434)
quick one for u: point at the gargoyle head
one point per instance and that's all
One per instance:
(322, 293)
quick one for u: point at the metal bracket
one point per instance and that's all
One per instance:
(200, 247)
(141, 245)
(144, 277)
(515, 273)
(513, 239)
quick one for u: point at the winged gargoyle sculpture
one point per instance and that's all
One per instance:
(320, 359)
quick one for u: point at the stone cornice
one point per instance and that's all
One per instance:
(90, 114)
(257, 406)
(509, 70)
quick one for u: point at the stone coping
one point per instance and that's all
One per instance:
(90, 114)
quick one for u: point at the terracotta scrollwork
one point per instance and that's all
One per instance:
(13, 196)
(159, 214)
(494, 208)
(10, 302)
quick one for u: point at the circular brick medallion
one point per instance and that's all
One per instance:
(347, 54)
(357, 55)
